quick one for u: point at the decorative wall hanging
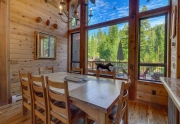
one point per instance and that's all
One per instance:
(48, 22)
(55, 26)
(39, 19)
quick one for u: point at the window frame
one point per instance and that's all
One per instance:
(169, 1)
(94, 28)
(165, 48)
(72, 49)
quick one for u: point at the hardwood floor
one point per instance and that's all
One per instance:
(138, 114)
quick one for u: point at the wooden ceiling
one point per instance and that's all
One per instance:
(55, 3)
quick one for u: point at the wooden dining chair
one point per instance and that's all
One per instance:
(108, 73)
(39, 98)
(93, 72)
(64, 111)
(26, 94)
(77, 70)
(41, 70)
(119, 112)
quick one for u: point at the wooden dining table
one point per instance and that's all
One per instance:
(95, 96)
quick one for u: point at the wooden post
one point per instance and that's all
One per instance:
(178, 39)
(4, 26)
(133, 41)
(83, 38)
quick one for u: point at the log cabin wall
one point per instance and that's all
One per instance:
(23, 15)
(175, 61)
(152, 93)
(4, 28)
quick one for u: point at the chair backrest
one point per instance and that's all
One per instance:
(145, 72)
(26, 90)
(40, 70)
(63, 111)
(109, 73)
(39, 96)
(80, 70)
(94, 72)
(123, 100)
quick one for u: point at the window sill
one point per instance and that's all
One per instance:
(150, 82)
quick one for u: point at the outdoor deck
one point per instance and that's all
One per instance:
(148, 71)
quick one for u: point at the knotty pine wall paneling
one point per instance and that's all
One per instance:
(152, 93)
(175, 50)
(23, 15)
(4, 28)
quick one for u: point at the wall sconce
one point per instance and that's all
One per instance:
(39, 19)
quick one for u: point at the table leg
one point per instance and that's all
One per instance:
(97, 115)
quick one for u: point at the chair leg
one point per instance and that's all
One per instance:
(86, 119)
(33, 115)
(24, 110)
(126, 116)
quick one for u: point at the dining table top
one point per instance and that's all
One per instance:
(98, 93)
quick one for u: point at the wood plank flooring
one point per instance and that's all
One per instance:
(138, 114)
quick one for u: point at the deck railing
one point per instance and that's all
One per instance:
(147, 71)
(92, 64)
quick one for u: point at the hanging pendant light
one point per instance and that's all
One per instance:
(75, 15)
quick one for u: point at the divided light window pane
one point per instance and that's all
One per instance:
(152, 46)
(106, 10)
(75, 49)
(145, 5)
(109, 45)
(152, 40)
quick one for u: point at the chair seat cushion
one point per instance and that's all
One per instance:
(74, 111)
(112, 115)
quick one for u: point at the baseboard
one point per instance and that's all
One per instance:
(151, 104)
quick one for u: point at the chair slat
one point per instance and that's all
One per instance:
(96, 72)
(56, 85)
(26, 92)
(45, 69)
(113, 74)
(40, 105)
(40, 115)
(26, 97)
(64, 120)
(36, 79)
(25, 83)
(58, 109)
(58, 97)
(39, 99)
(80, 70)
(37, 88)
(125, 97)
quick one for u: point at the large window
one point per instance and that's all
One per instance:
(75, 49)
(109, 45)
(145, 5)
(106, 10)
(152, 48)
